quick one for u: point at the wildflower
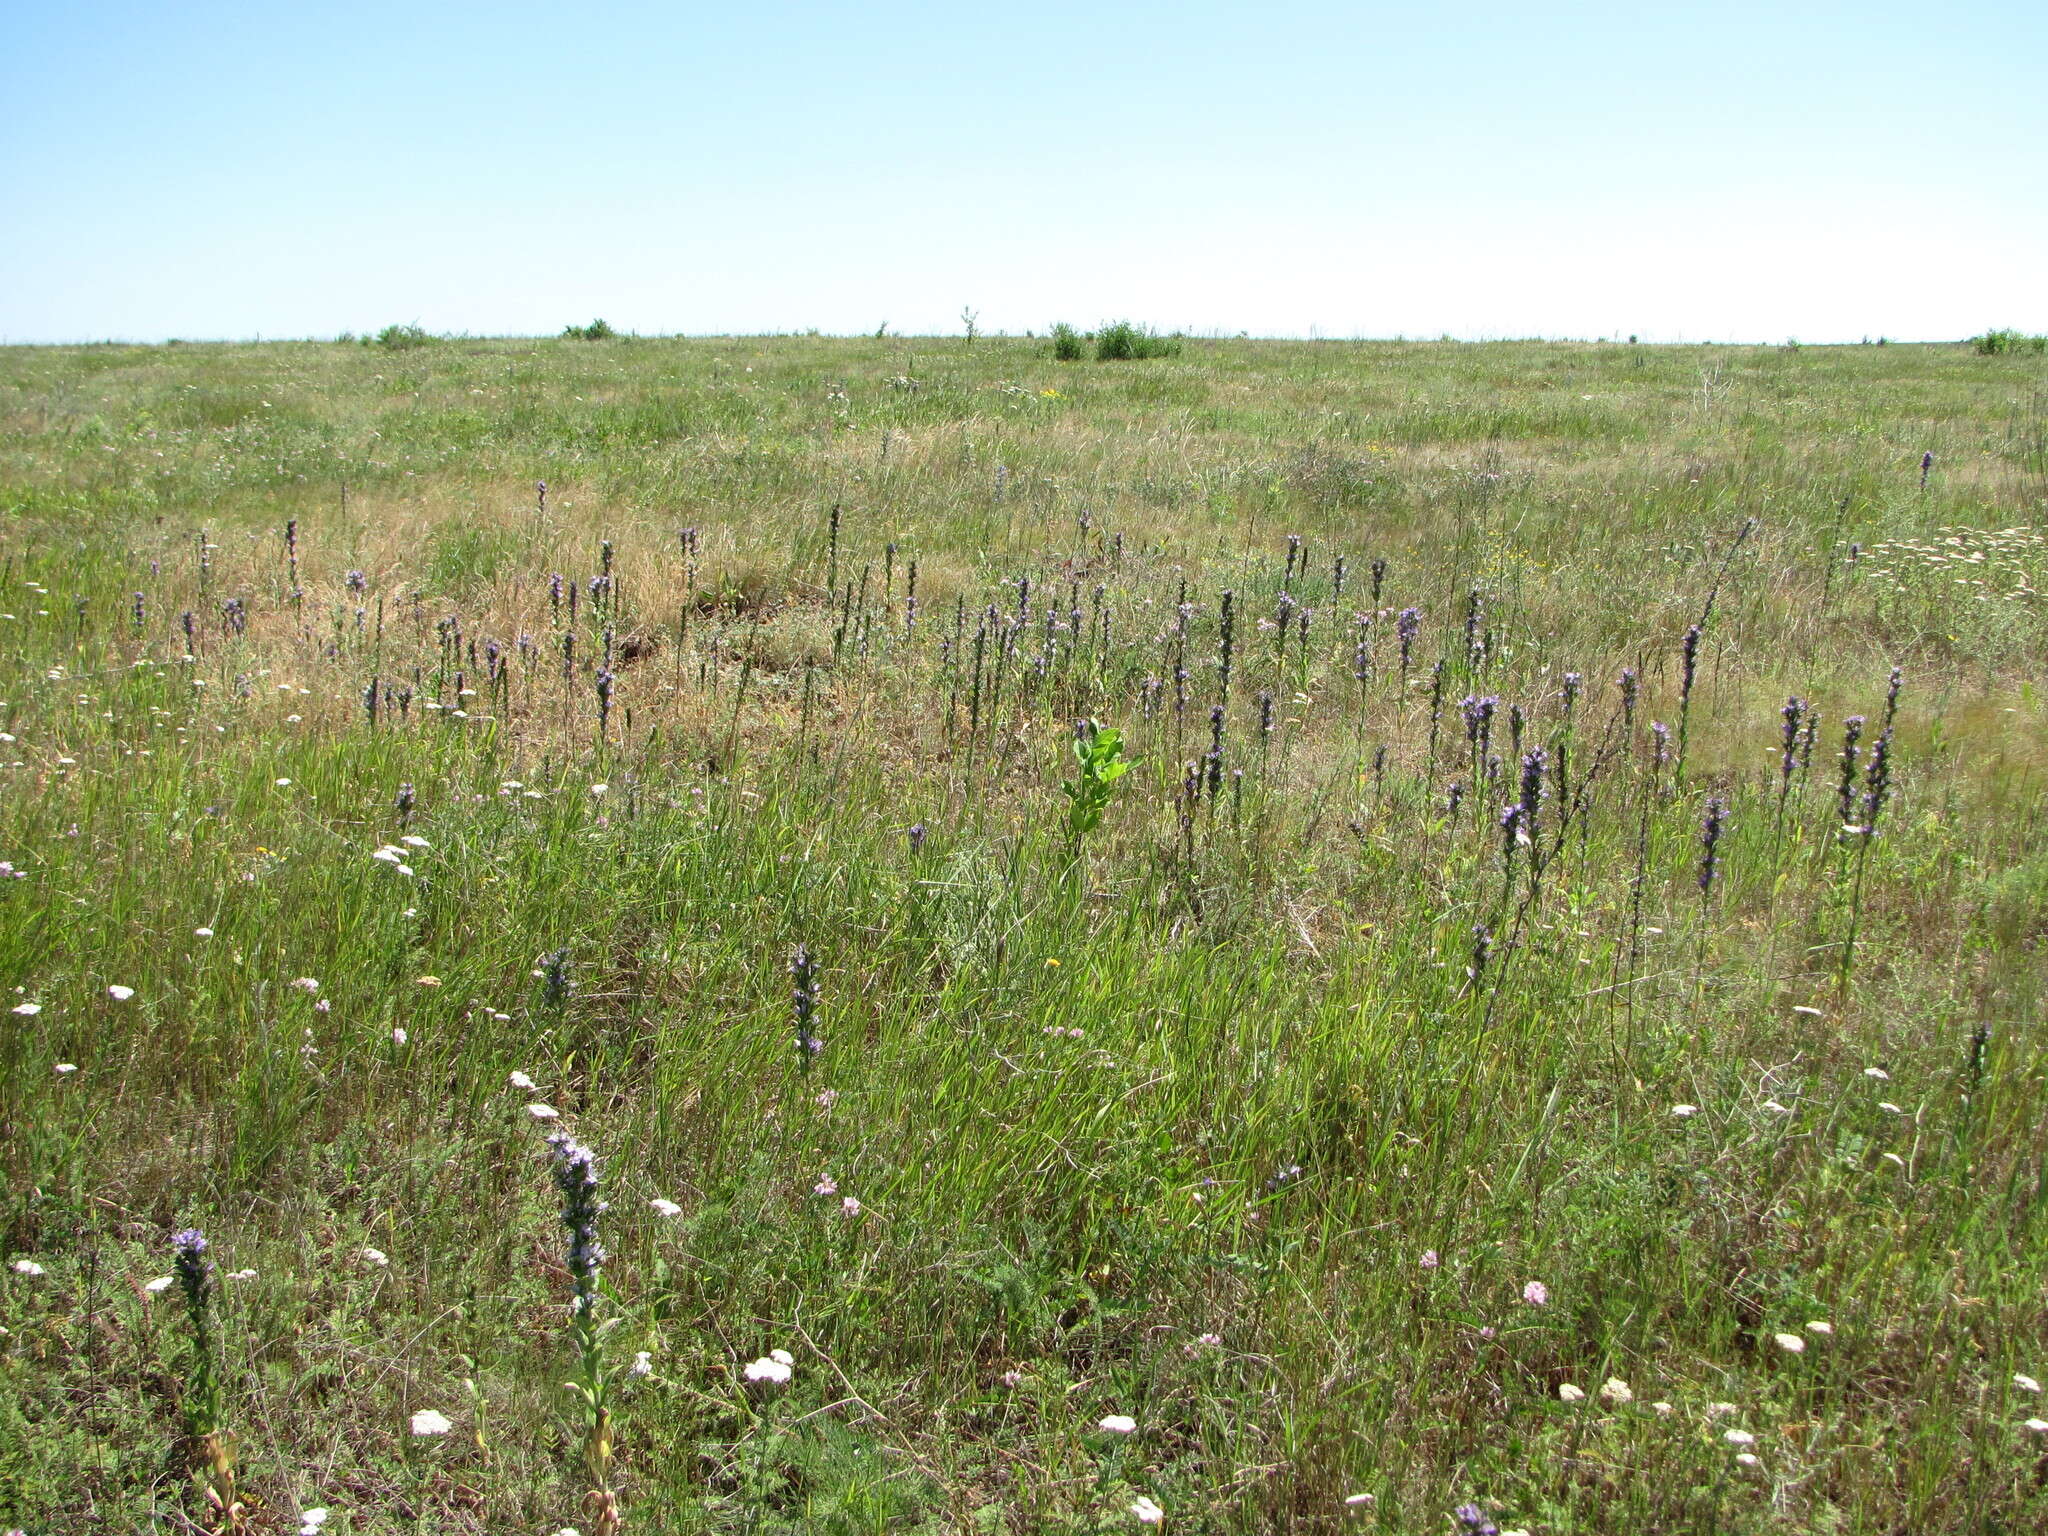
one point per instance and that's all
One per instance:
(412, 841)
(1747, 1459)
(804, 996)
(1710, 843)
(575, 1170)
(2025, 1383)
(284, 783)
(28, 1267)
(665, 1207)
(1738, 1437)
(1283, 1177)
(1567, 1393)
(1118, 1424)
(1685, 1111)
(66, 1068)
(1662, 1410)
(1147, 1512)
(643, 1364)
(826, 1186)
(1429, 1259)
(849, 1206)
(1791, 1343)
(1820, 1328)
(431, 1421)
(599, 790)
(28, 1010)
(310, 1521)
(1889, 1108)
(1358, 1503)
(1473, 1521)
(242, 1274)
(306, 984)
(120, 994)
(543, 1111)
(399, 1036)
(1011, 1378)
(376, 1257)
(202, 933)
(1879, 1073)
(1536, 1294)
(768, 1370)
(519, 1079)
(2038, 1426)
(1616, 1392)
(828, 1098)
(160, 1284)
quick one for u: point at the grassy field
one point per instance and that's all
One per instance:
(1483, 1051)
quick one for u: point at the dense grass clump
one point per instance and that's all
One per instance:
(1312, 936)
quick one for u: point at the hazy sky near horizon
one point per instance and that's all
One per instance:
(1737, 171)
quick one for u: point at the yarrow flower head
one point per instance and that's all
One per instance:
(1147, 1512)
(431, 1421)
(1118, 1424)
(770, 1370)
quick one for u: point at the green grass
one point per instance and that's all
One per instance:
(1220, 1122)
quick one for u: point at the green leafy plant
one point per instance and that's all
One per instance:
(597, 330)
(1997, 343)
(1099, 750)
(1068, 344)
(403, 338)
(1121, 341)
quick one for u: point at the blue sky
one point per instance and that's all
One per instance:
(1681, 171)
